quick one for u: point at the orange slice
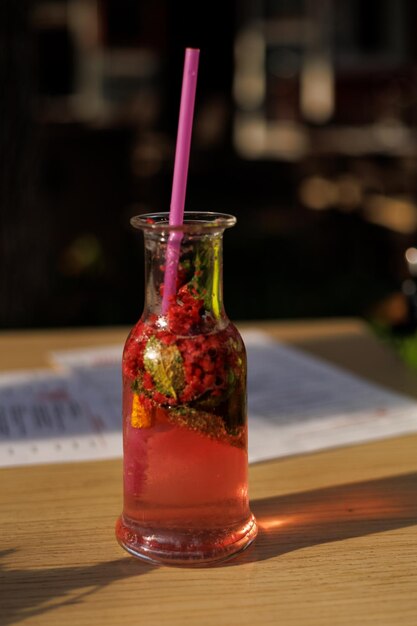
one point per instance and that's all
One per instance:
(140, 418)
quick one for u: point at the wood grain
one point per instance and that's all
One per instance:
(337, 542)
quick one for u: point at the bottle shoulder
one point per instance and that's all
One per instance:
(145, 328)
(220, 339)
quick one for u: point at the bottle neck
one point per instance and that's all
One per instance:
(196, 304)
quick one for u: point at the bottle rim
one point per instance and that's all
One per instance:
(194, 221)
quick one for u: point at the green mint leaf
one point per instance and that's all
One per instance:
(164, 364)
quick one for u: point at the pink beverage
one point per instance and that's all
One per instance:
(184, 408)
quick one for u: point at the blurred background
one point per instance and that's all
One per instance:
(305, 128)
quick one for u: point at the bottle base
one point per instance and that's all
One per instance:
(187, 549)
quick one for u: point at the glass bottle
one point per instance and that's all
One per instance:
(184, 404)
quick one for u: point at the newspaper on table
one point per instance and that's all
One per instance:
(297, 403)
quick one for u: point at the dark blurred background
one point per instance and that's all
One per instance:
(305, 128)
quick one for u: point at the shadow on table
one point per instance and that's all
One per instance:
(310, 518)
(286, 523)
(27, 593)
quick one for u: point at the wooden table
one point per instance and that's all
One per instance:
(337, 542)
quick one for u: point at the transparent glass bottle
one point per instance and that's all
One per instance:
(184, 404)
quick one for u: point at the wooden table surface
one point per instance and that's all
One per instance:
(337, 542)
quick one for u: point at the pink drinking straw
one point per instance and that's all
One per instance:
(179, 183)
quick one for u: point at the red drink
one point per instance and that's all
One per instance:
(184, 425)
